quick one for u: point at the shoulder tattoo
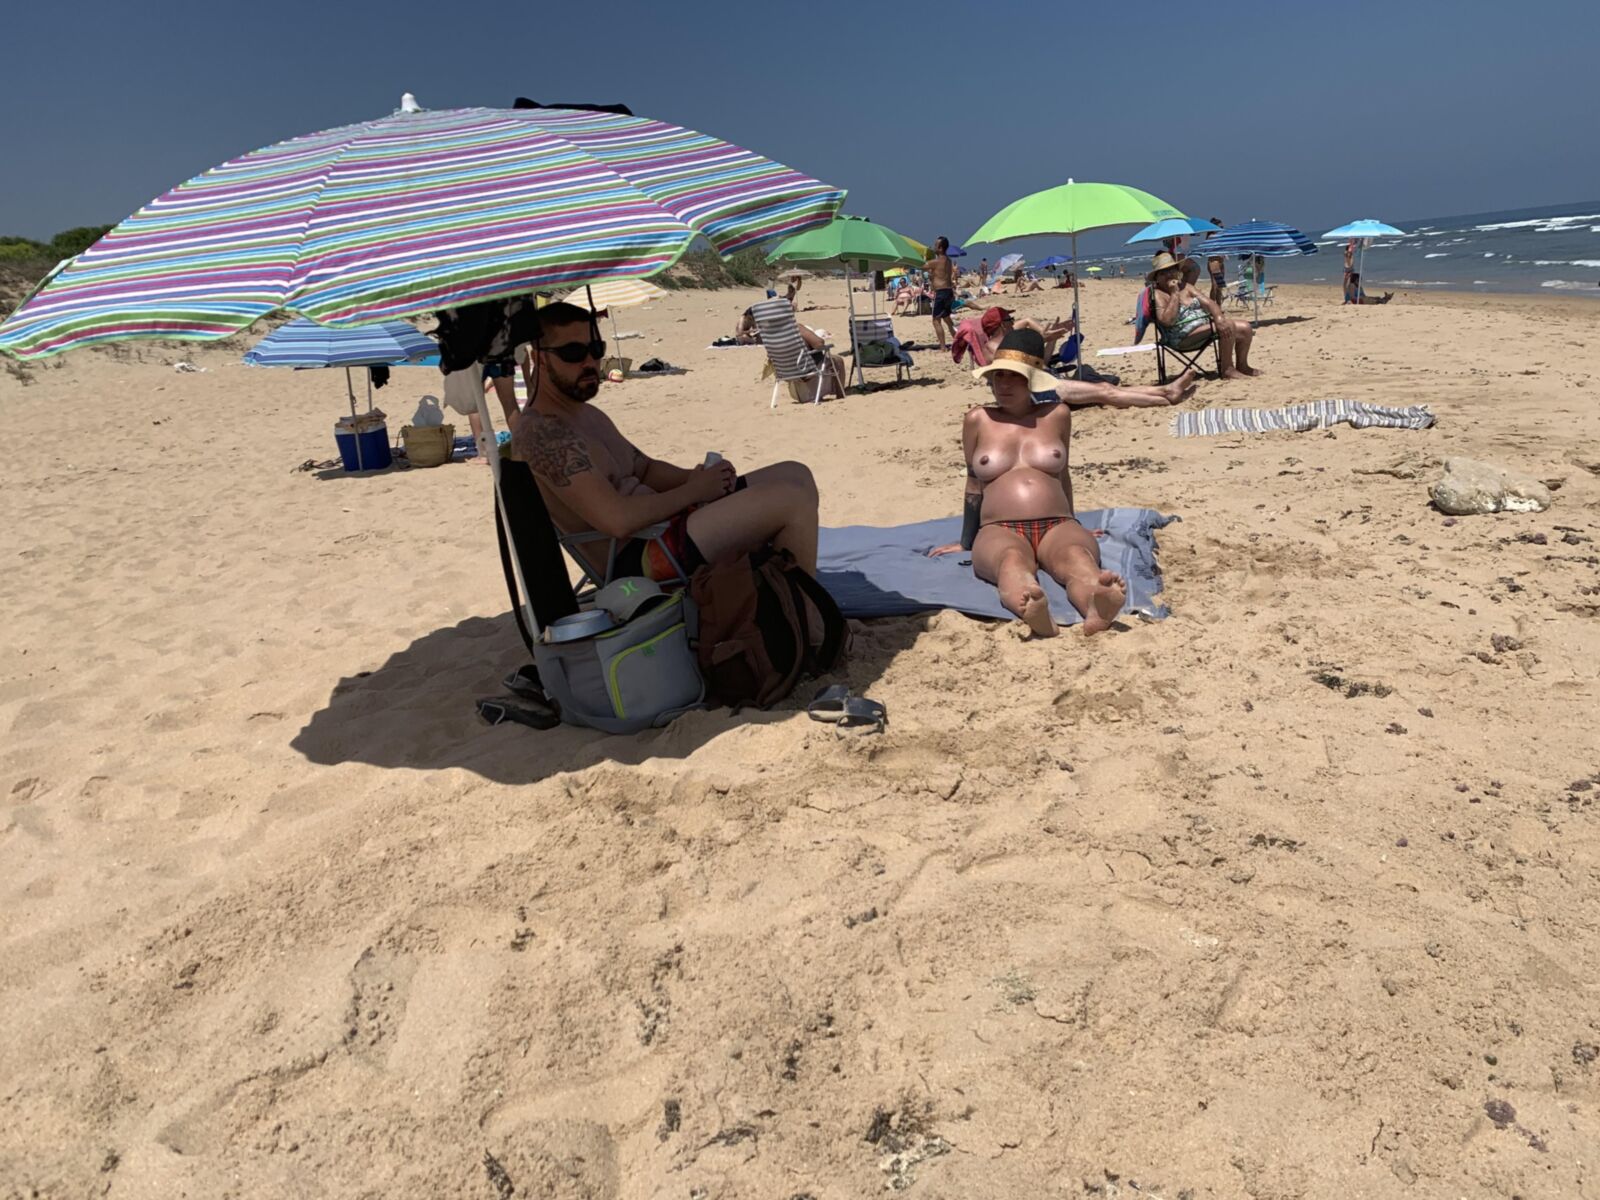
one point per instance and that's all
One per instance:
(553, 449)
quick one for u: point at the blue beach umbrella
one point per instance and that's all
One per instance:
(302, 344)
(1270, 239)
(1055, 260)
(1365, 229)
(1170, 228)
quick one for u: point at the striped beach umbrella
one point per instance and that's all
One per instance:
(1270, 239)
(413, 212)
(304, 343)
(615, 293)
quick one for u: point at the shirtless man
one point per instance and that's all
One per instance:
(942, 279)
(1018, 508)
(593, 478)
(1217, 268)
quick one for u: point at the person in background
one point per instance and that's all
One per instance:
(1354, 295)
(942, 279)
(1184, 318)
(794, 290)
(1217, 268)
(745, 332)
(1349, 270)
(983, 272)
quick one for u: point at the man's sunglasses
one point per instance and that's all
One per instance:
(576, 352)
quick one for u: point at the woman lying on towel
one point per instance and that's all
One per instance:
(1019, 498)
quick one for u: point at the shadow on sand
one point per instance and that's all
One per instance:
(417, 711)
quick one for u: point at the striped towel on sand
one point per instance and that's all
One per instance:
(1299, 417)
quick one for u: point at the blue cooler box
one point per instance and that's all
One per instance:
(363, 442)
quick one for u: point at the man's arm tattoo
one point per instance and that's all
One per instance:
(555, 451)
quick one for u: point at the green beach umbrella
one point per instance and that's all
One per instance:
(849, 242)
(1069, 209)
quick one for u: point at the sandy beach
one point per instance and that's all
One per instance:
(1293, 894)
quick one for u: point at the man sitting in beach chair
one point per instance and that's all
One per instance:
(592, 478)
(1186, 322)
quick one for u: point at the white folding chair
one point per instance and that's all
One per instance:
(792, 360)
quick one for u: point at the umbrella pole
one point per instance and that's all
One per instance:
(855, 350)
(1077, 318)
(350, 389)
(1361, 270)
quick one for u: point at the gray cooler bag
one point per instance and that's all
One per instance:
(639, 675)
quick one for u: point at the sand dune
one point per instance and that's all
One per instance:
(1292, 894)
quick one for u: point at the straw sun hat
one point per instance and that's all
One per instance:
(1163, 262)
(1022, 352)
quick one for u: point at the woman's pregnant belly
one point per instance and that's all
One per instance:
(1025, 494)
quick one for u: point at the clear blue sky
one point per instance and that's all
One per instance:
(933, 114)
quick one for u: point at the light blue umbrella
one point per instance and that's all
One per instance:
(1365, 229)
(1172, 227)
(302, 343)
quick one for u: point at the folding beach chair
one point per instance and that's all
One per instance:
(590, 582)
(1189, 351)
(873, 344)
(786, 350)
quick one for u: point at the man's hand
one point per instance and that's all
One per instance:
(710, 483)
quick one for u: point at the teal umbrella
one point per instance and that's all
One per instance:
(1366, 229)
(1073, 208)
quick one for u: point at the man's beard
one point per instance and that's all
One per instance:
(585, 387)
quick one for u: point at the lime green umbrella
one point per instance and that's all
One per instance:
(1073, 208)
(850, 242)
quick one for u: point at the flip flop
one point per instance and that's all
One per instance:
(497, 710)
(525, 682)
(837, 706)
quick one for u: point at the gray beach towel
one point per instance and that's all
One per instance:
(1297, 418)
(885, 571)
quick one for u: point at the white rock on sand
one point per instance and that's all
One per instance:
(1469, 487)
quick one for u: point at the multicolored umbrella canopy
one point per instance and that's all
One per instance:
(413, 212)
(304, 343)
(852, 241)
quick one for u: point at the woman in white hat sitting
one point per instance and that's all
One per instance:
(1019, 515)
(1185, 319)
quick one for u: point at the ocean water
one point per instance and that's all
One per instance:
(1537, 250)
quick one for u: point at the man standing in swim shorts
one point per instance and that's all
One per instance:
(942, 279)
(1217, 268)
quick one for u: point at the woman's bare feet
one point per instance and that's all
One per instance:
(1036, 611)
(1110, 590)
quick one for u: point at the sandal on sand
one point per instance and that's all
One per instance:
(498, 710)
(835, 704)
(525, 682)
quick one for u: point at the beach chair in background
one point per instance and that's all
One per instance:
(873, 344)
(792, 360)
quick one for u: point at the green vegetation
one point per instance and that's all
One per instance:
(23, 261)
(703, 267)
